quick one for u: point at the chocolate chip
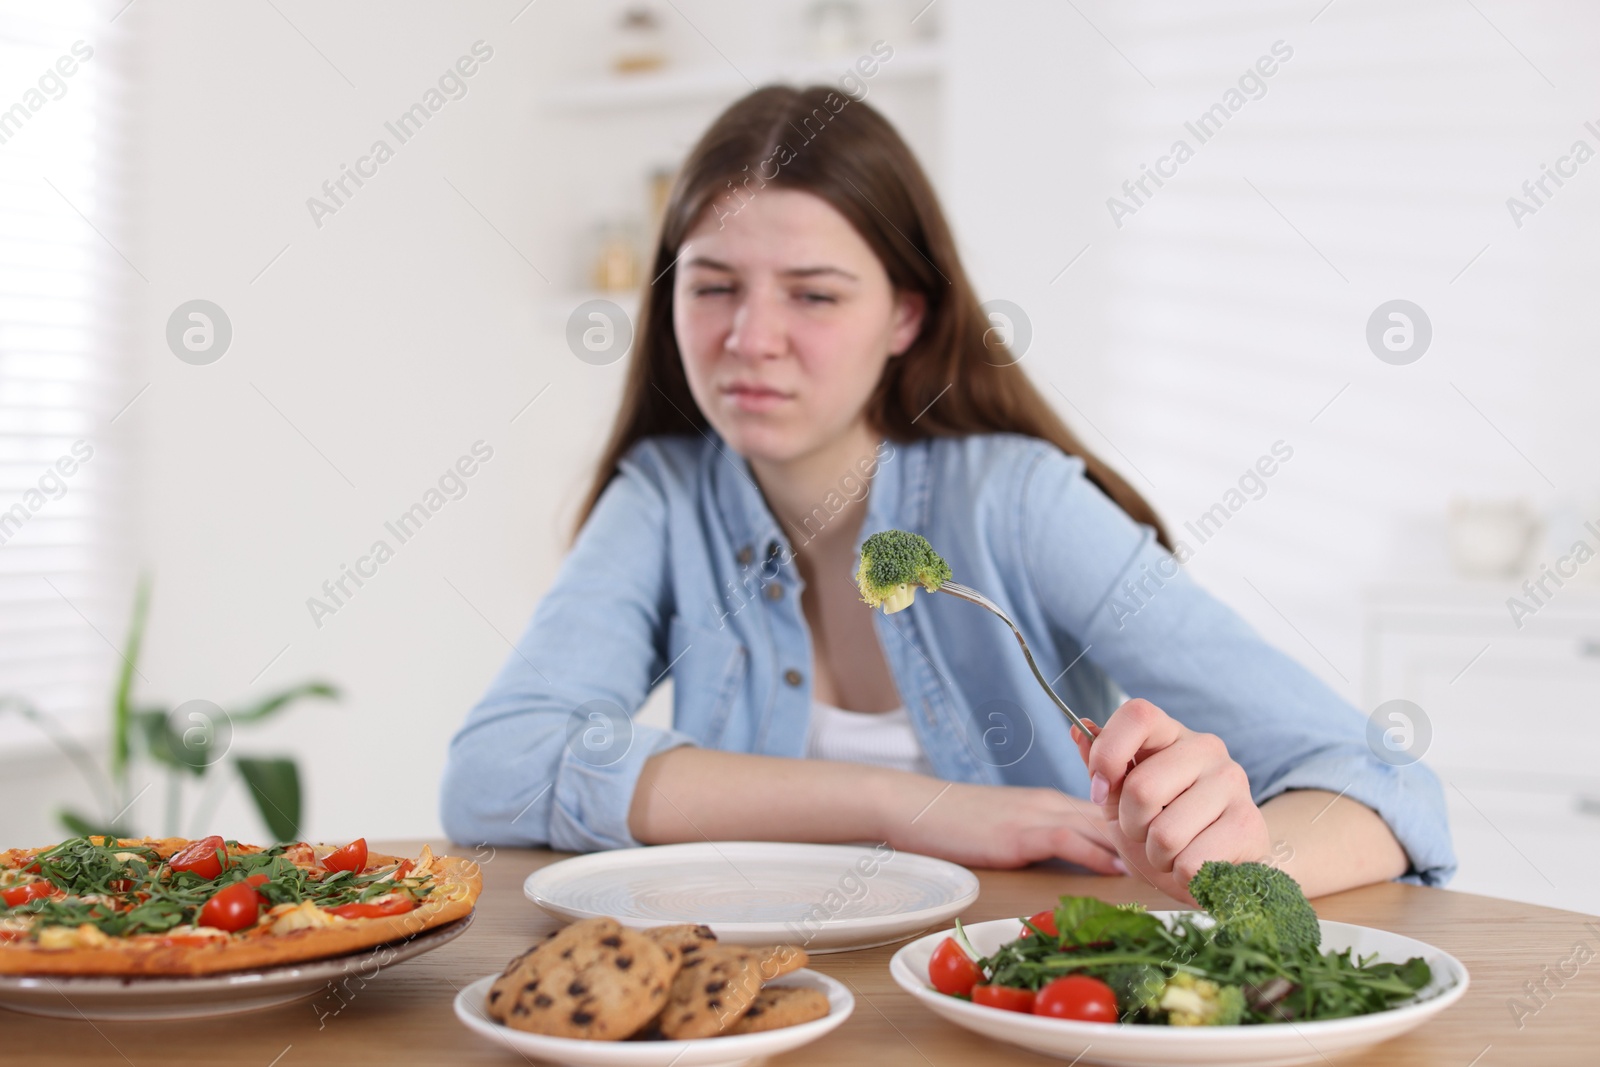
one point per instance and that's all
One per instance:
(713, 1003)
(611, 942)
(531, 986)
(624, 962)
(567, 955)
(494, 995)
(716, 987)
(582, 1018)
(753, 1012)
(543, 1000)
(577, 989)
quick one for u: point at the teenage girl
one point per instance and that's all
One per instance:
(811, 367)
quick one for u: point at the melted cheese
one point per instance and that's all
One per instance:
(195, 931)
(287, 918)
(85, 936)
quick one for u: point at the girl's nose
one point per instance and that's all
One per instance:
(758, 330)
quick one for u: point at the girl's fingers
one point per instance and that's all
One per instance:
(1229, 838)
(1088, 849)
(1161, 779)
(1082, 741)
(1185, 819)
(1138, 726)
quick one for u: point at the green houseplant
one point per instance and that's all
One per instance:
(181, 744)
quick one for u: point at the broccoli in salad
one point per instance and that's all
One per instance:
(1255, 904)
(1257, 958)
(893, 564)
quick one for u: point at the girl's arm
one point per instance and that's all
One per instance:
(550, 754)
(1329, 843)
(1227, 729)
(696, 794)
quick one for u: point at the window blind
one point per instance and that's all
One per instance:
(66, 286)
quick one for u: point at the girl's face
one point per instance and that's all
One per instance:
(785, 319)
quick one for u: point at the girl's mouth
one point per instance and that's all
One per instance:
(748, 396)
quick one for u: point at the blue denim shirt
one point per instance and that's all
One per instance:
(682, 569)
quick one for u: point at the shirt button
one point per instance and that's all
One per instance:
(745, 555)
(792, 676)
(774, 591)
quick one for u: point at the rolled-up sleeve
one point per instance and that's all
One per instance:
(1106, 584)
(551, 754)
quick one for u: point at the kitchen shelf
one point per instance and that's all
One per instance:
(677, 85)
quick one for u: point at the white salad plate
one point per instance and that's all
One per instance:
(472, 1001)
(825, 898)
(1135, 1045)
(136, 998)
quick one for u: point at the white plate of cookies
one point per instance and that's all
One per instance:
(598, 993)
(825, 898)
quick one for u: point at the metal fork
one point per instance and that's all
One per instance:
(955, 589)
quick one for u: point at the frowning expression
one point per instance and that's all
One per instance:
(785, 319)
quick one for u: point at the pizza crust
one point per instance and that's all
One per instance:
(456, 885)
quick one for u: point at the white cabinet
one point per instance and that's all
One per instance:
(1514, 716)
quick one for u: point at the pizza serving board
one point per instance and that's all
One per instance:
(140, 998)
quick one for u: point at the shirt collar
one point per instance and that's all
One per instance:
(752, 528)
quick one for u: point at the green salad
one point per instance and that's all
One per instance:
(1255, 956)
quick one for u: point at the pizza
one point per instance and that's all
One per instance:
(171, 906)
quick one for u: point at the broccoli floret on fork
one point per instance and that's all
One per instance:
(893, 564)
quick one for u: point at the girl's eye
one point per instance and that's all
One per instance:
(819, 298)
(711, 290)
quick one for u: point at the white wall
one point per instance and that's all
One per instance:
(1205, 328)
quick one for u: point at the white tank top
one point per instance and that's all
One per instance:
(881, 738)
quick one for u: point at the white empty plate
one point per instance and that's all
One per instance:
(1138, 1045)
(826, 898)
(701, 1052)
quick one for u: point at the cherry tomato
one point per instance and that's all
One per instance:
(353, 857)
(204, 858)
(257, 879)
(1045, 920)
(1077, 996)
(234, 908)
(403, 869)
(21, 894)
(951, 970)
(393, 906)
(1007, 998)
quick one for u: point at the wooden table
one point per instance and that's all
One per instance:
(405, 1016)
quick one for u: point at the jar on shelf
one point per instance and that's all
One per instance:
(641, 44)
(615, 267)
(834, 28)
(660, 181)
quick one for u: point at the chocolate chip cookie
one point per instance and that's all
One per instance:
(780, 1006)
(717, 984)
(595, 979)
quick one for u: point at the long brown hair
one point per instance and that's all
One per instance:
(954, 379)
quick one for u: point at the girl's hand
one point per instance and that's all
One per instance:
(997, 825)
(1172, 798)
